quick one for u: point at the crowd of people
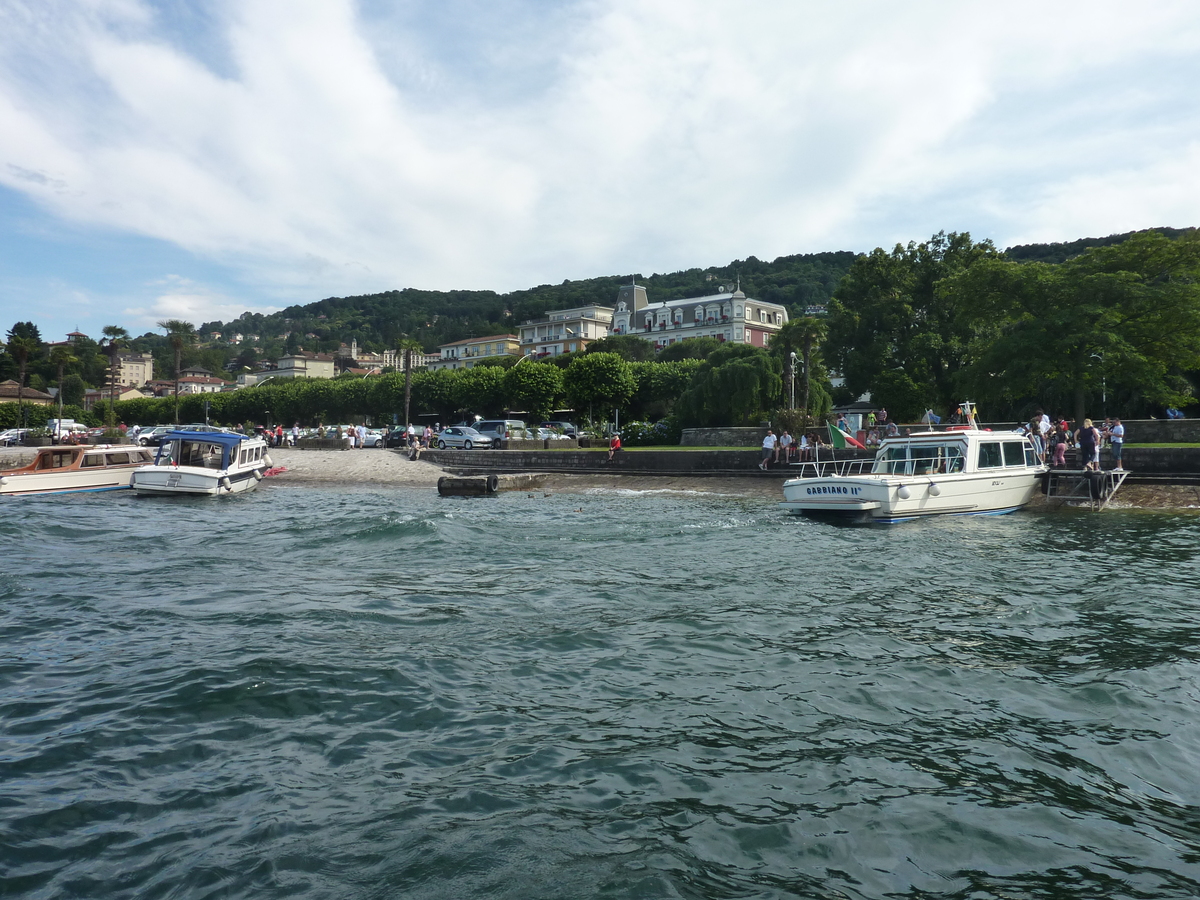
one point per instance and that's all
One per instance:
(1051, 437)
(787, 449)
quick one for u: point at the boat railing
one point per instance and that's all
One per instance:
(827, 468)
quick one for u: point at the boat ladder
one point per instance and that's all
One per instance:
(1095, 488)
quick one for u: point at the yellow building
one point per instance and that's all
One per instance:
(465, 354)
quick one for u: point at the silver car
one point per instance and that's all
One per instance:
(460, 436)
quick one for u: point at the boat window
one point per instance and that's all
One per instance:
(57, 459)
(989, 455)
(893, 461)
(1030, 456)
(117, 459)
(1014, 453)
(93, 460)
(146, 456)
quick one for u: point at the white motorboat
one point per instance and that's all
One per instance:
(963, 470)
(204, 462)
(67, 469)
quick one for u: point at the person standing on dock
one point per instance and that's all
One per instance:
(1116, 436)
(1088, 439)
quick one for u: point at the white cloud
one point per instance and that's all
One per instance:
(180, 298)
(332, 151)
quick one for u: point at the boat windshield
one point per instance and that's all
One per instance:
(920, 459)
(200, 454)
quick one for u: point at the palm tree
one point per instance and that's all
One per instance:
(21, 348)
(61, 356)
(114, 341)
(812, 332)
(408, 345)
(179, 333)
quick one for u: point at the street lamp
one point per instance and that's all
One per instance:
(792, 379)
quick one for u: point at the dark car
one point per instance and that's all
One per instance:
(467, 438)
(396, 438)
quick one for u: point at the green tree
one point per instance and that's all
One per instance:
(892, 333)
(534, 387)
(481, 389)
(1128, 314)
(689, 348)
(22, 349)
(629, 347)
(179, 333)
(659, 386)
(73, 389)
(602, 380)
(804, 337)
(736, 385)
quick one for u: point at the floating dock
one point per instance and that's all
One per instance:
(1091, 487)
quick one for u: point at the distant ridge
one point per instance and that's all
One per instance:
(377, 321)
(1057, 253)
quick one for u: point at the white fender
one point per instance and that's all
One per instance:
(934, 490)
(267, 460)
(903, 492)
(258, 475)
(226, 483)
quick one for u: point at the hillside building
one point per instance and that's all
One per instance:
(465, 354)
(565, 330)
(726, 317)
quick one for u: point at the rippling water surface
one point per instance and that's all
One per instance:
(320, 693)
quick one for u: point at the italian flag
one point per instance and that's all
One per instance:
(841, 440)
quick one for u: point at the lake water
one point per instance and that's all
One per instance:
(335, 693)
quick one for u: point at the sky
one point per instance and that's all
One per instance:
(165, 159)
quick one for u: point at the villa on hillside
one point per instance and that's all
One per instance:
(565, 330)
(465, 354)
(726, 317)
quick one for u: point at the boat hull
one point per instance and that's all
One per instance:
(888, 499)
(193, 481)
(66, 482)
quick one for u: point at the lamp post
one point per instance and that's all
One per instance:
(792, 379)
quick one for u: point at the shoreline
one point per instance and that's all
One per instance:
(376, 468)
(387, 468)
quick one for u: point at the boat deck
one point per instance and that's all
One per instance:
(1095, 488)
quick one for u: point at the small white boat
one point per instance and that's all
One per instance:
(204, 462)
(69, 469)
(960, 471)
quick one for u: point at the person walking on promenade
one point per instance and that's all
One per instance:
(769, 446)
(1116, 436)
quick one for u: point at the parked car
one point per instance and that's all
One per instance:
(548, 434)
(396, 438)
(461, 437)
(501, 429)
(374, 438)
(152, 437)
(12, 437)
(565, 427)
